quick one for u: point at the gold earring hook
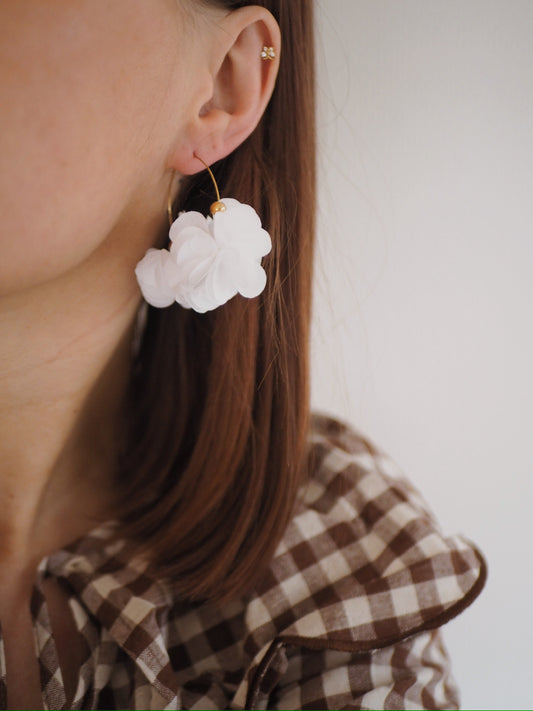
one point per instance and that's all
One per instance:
(217, 206)
(169, 199)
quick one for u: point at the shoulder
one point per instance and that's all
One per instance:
(363, 564)
(360, 527)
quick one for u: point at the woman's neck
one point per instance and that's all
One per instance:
(64, 355)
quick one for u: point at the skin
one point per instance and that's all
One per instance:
(99, 102)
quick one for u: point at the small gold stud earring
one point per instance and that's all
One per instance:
(268, 53)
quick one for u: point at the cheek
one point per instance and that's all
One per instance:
(79, 127)
(58, 199)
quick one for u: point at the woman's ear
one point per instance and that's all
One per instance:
(242, 82)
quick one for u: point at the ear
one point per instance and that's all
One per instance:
(242, 83)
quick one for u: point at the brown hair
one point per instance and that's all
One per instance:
(218, 405)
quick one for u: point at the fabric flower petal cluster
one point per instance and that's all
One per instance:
(211, 259)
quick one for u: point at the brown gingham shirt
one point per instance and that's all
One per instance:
(346, 617)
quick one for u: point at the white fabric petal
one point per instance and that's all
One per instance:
(155, 273)
(188, 234)
(187, 219)
(253, 245)
(194, 258)
(239, 215)
(230, 230)
(224, 276)
(230, 203)
(199, 245)
(251, 279)
(261, 244)
(201, 302)
(240, 227)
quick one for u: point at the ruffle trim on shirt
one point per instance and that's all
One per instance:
(363, 565)
(355, 636)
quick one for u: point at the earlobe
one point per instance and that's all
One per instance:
(243, 79)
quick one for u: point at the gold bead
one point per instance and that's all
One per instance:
(217, 206)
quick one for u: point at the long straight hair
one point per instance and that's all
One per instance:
(218, 406)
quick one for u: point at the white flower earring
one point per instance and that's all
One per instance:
(210, 260)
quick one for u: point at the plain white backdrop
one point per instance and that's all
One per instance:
(423, 332)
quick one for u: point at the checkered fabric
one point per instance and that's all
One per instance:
(347, 615)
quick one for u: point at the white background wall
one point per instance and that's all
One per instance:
(423, 333)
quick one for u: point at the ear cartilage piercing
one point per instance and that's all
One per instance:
(268, 53)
